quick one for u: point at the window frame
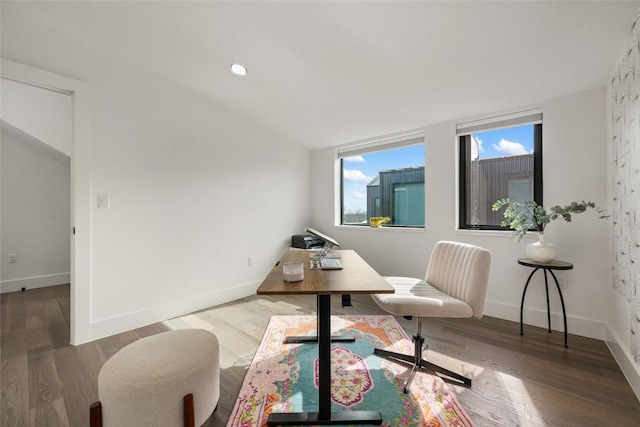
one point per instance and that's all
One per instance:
(463, 134)
(411, 138)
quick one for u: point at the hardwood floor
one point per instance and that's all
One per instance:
(518, 381)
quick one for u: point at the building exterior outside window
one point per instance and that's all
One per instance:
(499, 158)
(399, 195)
(383, 178)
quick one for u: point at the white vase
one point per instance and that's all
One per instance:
(542, 251)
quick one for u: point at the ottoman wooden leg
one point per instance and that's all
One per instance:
(189, 417)
(95, 414)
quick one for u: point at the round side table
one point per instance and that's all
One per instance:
(545, 266)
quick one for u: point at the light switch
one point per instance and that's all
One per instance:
(104, 201)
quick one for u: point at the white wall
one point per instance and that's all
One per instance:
(574, 147)
(35, 203)
(194, 192)
(44, 114)
(195, 188)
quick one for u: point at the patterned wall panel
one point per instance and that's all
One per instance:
(625, 90)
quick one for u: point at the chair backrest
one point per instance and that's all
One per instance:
(462, 271)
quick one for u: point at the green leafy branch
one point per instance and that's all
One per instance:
(522, 217)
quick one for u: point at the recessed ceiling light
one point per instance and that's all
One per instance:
(239, 69)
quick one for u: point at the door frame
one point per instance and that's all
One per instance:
(80, 257)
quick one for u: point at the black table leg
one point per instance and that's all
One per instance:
(546, 287)
(310, 339)
(324, 356)
(522, 302)
(564, 313)
(324, 415)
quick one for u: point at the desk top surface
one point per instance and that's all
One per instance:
(551, 265)
(357, 277)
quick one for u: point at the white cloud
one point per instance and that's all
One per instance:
(476, 148)
(357, 195)
(510, 148)
(356, 175)
(358, 159)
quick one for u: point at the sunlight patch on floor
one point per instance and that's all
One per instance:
(461, 367)
(528, 411)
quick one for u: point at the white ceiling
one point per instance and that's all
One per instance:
(326, 73)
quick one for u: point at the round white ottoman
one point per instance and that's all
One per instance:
(144, 383)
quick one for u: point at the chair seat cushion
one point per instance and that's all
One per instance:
(415, 297)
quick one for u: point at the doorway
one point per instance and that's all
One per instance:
(80, 209)
(36, 189)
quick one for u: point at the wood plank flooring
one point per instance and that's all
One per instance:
(517, 381)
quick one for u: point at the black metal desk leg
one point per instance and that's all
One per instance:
(564, 313)
(522, 302)
(301, 339)
(324, 357)
(324, 416)
(546, 287)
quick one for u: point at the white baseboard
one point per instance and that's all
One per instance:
(624, 359)
(34, 282)
(532, 316)
(115, 325)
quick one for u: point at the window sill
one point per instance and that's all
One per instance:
(494, 233)
(381, 229)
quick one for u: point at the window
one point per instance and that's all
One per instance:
(499, 158)
(383, 179)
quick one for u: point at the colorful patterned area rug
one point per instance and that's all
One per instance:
(283, 377)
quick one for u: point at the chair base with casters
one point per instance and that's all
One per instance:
(418, 362)
(455, 286)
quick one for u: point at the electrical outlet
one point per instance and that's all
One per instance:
(250, 261)
(563, 281)
(13, 258)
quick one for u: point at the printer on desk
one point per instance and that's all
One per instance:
(306, 241)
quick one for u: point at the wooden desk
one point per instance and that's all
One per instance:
(357, 277)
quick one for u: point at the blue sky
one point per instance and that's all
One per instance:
(360, 170)
(505, 142)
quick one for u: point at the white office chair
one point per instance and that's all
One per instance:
(455, 285)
